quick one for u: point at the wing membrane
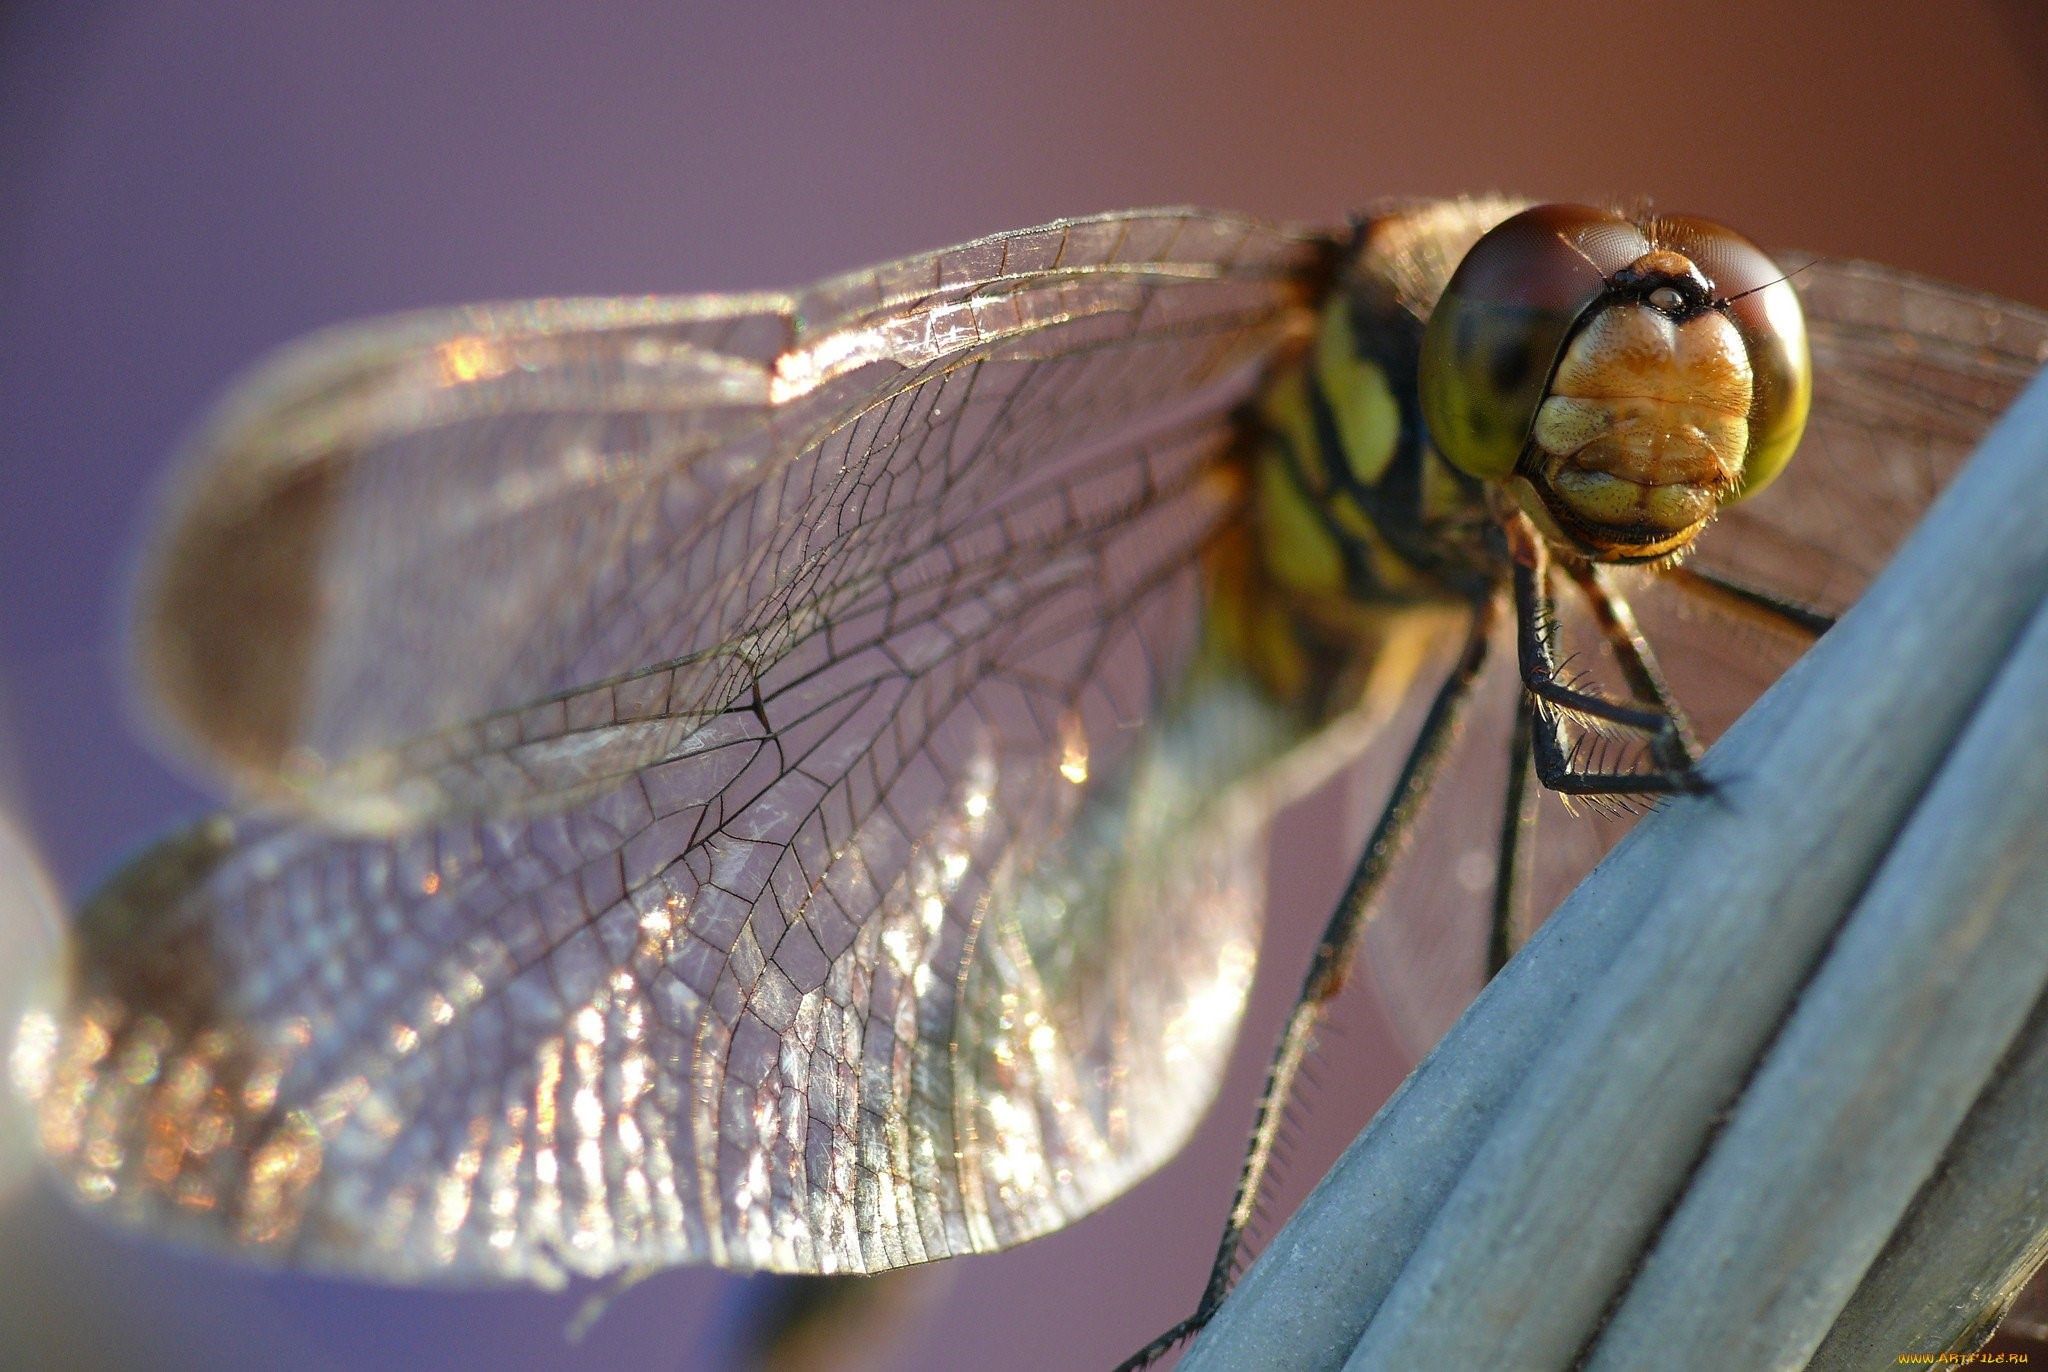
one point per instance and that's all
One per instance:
(880, 880)
(490, 559)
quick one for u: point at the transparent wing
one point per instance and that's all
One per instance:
(915, 922)
(489, 559)
(1908, 375)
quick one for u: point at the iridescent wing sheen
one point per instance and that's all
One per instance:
(1909, 373)
(789, 826)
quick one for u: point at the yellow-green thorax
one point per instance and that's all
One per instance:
(1357, 526)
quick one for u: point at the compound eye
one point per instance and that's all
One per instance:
(1757, 297)
(1495, 337)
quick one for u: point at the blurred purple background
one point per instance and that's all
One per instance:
(187, 185)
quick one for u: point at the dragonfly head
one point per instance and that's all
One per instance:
(1623, 377)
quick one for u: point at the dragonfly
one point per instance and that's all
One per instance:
(783, 781)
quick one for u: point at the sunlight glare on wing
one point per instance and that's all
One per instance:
(30, 932)
(470, 358)
(1073, 750)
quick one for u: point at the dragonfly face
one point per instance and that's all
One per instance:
(780, 781)
(1622, 392)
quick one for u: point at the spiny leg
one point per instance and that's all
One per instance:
(1638, 663)
(1556, 765)
(1327, 970)
(1617, 624)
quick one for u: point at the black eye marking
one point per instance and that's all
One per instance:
(1509, 365)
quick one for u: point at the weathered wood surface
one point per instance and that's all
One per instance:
(1711, 1088)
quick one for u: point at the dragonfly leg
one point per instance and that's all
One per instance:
(1556, 764)
(1327, 971)
(1517, 828)
(1752, 600)
(1519, 811)
(1638, 663)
